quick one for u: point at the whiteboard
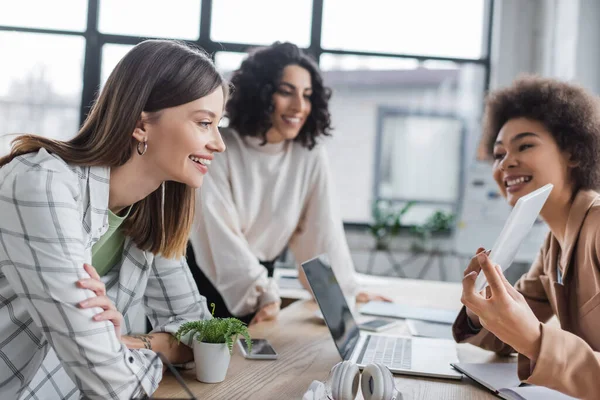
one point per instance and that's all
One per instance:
(483, 213)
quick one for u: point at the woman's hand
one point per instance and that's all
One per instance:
(364, 297)
(503, 310)
(474, 267)
(266, 313)
(110, 312)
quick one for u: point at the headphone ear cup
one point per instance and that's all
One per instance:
(344, 381)
(377, 382)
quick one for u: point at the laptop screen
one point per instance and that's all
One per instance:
(334, 307)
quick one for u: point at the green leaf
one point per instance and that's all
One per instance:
(216, 330)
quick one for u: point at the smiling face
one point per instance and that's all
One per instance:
(291, 104)
(182, 140)
(526, 157)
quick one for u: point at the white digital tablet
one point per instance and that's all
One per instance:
(516, 228)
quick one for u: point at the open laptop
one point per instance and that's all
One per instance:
(402, 355)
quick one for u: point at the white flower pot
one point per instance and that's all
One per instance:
(212, 361)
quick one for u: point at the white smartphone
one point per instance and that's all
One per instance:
(376, 325)
(261, 349)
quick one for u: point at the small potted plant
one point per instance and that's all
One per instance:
(387, 222)
(213, 344)
(437, 222)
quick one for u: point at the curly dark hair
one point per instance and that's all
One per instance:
(250, 106)
(569, 112)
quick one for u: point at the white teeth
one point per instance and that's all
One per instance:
(516, 181)
(202, 161)
(292, 120)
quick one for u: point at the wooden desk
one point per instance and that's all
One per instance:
(307, 353)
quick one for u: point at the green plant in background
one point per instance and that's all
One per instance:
(439, 221)
(387, 221)
(216, 330)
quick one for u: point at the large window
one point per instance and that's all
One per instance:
(62, 15)
(153, 18)
(402, 73)
(435, 28)
(111, 55)
(227, 61)
(40, 93)
(261, 21)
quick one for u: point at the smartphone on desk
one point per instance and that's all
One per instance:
(261, 350)
(377, 325)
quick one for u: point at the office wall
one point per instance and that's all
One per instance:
(354, 116)
(587, 70)
(352, 147)
(559, 38)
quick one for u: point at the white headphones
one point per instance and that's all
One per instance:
(377, 383)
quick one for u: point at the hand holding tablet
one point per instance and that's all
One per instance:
(515, 230)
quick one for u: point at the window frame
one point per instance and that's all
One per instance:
(95, 40)
(385, 111)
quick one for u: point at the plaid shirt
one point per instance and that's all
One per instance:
(50, 216)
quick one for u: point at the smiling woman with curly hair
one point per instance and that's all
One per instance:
(271, 190)
(543, 131)
(258, 88)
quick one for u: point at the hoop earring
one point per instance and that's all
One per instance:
(142, 152)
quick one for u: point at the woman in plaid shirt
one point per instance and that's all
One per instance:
(119, 196)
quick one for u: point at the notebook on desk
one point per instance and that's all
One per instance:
(503, 381)
(429, 329)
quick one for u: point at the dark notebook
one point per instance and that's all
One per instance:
(502, 380)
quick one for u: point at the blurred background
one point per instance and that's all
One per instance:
(408, 78)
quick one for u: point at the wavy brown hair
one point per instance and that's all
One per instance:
(154, 75)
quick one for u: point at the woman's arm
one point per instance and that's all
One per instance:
(164, 343)
(529, 286)
(222, 251)
(564, 362)
(171, 299)
(160, 342)
(43, 238)
(320, 229)
(548, 355)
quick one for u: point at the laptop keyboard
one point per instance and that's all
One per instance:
(393, 352)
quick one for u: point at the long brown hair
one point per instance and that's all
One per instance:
(154, 75)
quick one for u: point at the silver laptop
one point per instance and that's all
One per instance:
(402, 355)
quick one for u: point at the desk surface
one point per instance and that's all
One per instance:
(307, 353)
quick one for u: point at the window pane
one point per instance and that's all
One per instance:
(261, 21)
(418, 214)
(348, 62)
(426, 27)
(154, 18)
(40, 93)
(360, 95)
(111, 55)
(66, 15)
(227, 61)
(429, 141)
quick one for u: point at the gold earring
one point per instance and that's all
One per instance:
(142, 152)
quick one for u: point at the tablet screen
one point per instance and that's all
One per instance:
(515, 230)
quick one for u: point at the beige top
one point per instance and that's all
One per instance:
(255, 201)
(569, 359)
